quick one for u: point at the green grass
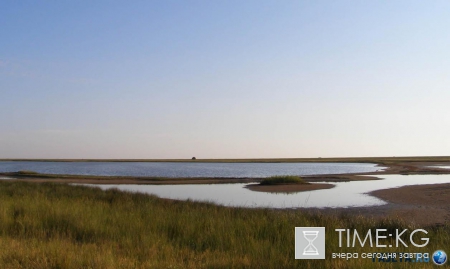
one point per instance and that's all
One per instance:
(52, 225)
(279, 180)
(27, 172)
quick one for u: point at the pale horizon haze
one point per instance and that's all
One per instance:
(224, 79)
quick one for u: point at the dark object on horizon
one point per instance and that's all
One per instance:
(193, 158)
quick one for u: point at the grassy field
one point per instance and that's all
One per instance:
(53, 225)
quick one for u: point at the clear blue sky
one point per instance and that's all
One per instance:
(224, 79)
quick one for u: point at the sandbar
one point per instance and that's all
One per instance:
(289, 188)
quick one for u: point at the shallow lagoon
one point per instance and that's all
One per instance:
(344, 194)
(189, 169)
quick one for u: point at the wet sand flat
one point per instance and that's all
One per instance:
(421, 205)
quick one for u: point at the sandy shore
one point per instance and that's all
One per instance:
(419, 205)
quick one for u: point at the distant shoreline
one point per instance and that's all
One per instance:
(376, 160)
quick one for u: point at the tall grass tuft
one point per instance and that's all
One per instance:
(278, 180)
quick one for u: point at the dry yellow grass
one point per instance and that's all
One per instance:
(60, 226)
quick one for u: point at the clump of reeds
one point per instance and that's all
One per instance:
(279, 180)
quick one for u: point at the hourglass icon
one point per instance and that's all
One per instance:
(310, 248)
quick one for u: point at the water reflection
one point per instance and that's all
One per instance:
(344, 194)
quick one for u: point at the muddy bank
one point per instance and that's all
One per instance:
(135, 181)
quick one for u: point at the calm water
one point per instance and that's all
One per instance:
(344, 194)
(169, 169)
